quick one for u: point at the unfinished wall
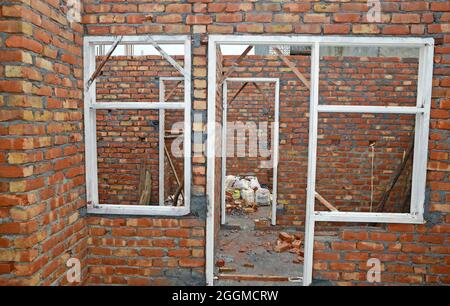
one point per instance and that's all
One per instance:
(41, 144)
(406, 18)
(33, 244)
(127, 140)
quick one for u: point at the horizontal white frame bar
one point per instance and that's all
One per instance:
(369, 109)
(113, 209)
(322, 40)
(138, 105)
(136, 39)
(260, 80)
(339, 216)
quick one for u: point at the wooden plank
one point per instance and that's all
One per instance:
(145, 197)
(177, 194)
(293, 68)
(324, 202)
(173, 167)
(103, 62)
(249, 277)
(235, 65)
(395, 178)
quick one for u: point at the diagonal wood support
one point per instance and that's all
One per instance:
(293, 68)
(170, 59)
(103, 62)
(170, 94)
(238, 92)
(324, 202)
(402, 166)
(235, 65)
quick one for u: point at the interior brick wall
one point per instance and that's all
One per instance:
(343, 139)
(42, 182)
(42, 176)
(128, 140)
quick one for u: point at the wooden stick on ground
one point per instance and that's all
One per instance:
(293, 68)
(177, 194)
(325, 202)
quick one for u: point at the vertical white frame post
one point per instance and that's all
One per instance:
(90, 124)
(224, 150)
(312, 159)
(162, 141)
(90, 107)
(422, 111)
(275, 142)
(276, 148)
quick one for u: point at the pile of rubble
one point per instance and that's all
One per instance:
(292, 243)
(244, 195)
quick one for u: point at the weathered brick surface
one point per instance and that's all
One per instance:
(41, 144)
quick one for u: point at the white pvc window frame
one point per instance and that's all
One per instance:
(421, 111)
(90, 107)
(275, 144)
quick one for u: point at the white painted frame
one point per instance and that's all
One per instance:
(90, 107)
(275, 144)
(422, 112)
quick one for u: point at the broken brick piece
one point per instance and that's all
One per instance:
(297, 244)
(286, 237)
(298, 260)
(220, 263)
(282, 247)
(248, 265)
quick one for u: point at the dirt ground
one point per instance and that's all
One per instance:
(250, 251)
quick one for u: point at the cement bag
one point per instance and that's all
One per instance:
(263, 197)
(254, 184)
(243, 184)
(229, 181)
(248, 195)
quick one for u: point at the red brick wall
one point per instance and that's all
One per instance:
(146, 251)
(47, 190)
(41, 144)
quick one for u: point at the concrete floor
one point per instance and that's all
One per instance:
(240, 244)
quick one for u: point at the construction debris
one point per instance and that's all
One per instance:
(220, 263)
(227, 269)
(244, 195)
(292, 243)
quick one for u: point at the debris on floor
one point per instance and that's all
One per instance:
(291, 243)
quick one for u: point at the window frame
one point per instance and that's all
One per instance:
(90, 107)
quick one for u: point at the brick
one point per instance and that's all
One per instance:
(198, 19)
(23, 42)
(228, 18)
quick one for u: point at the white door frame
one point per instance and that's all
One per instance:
(422, 111)
(275, 141)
